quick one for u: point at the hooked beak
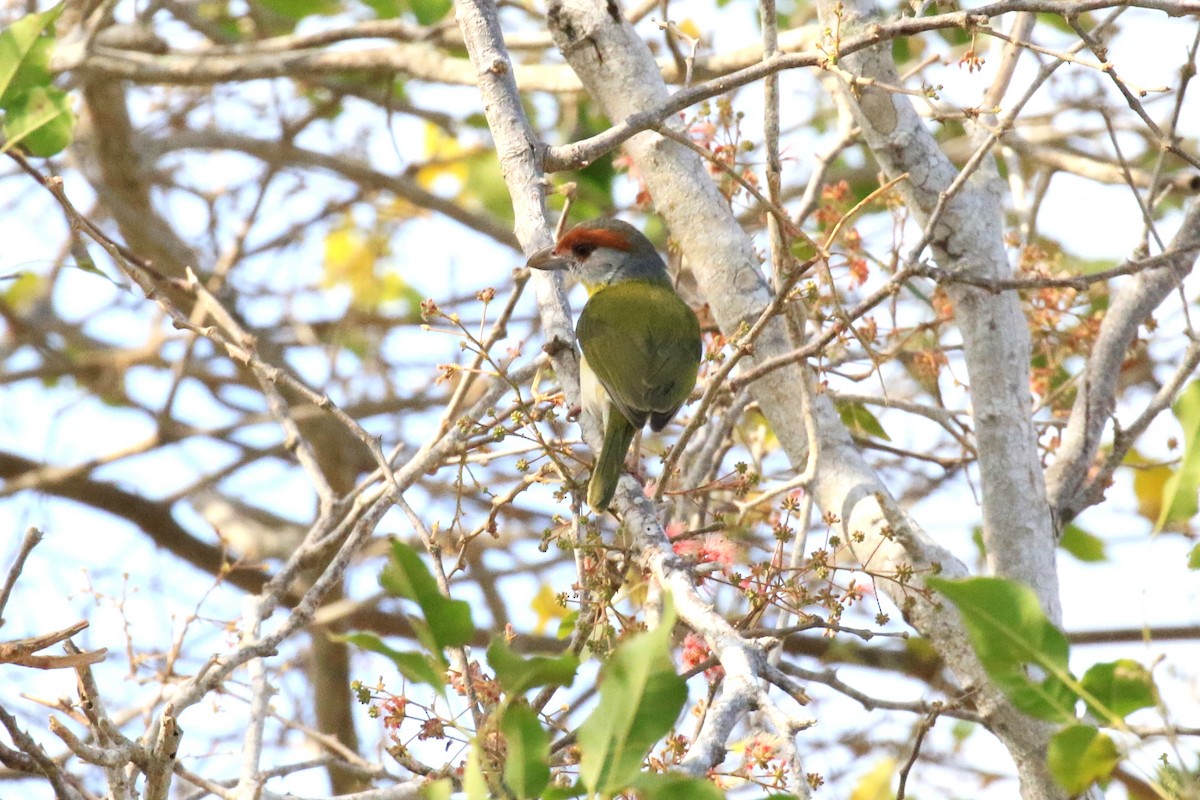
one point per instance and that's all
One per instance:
(547, 260)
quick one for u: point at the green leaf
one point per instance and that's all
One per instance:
(803, 249)
(385, 9)
(40, 120)
(564, 792)
(1180, 501)
(517, 674)
(640, 699)
(417, 667)
(977, 540)
(1080, 755)
(430, 11)
(406, 576)
(1084, 546)
(484, 186)
(1119, 687)
(673, 786)
(1010, 633)
(527, 763)
(441, 789)
(25, 54)
(567, 625)
(955, 36)
(1193, 562)
(299, 9)
(37, 115)
(1177, 779)
(859, 420)
(474, 783)
(1056, 21)
(962, 730)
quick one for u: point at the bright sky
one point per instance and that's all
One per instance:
(80, 571)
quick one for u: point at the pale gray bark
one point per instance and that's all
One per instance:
(963, 227)
(1067, 478)
(619, 72)
(744, 661)
(961, 209)
(521, 167)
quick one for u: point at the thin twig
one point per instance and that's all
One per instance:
(30, 540)
(925, 726)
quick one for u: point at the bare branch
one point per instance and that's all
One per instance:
(1096, 396)
(22, 651)
(584, 152)
(962, 219)
(29, 541)
(52, 772)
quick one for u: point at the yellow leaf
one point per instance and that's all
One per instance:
(689, 28)
(443, 152)
(757, 432)
(877, 783)
(25, 289)
(347, 257)
(393, 288)
(634, 589)
(399, 210)
(545, 604)
(1148, 482)
(351, 258)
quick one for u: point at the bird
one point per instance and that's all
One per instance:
(640, 341)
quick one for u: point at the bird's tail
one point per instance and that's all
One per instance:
(618, 435)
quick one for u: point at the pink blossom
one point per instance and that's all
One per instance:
(696, 652)
(714, 548)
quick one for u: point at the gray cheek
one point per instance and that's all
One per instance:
(596, 274)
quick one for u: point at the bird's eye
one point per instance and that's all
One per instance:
(583, 249)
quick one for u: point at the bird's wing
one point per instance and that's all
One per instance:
(643, 343)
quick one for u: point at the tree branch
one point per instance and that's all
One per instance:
(1067, 478)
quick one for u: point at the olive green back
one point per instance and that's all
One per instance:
(643, 343)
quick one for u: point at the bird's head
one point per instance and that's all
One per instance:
(602, 252)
